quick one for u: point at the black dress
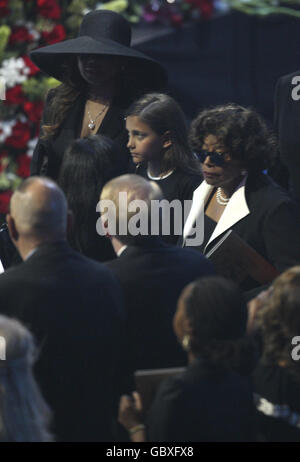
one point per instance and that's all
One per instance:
(178, 185)
(48, 154)
(202, 404)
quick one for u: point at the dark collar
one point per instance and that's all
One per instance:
(148, 244)
(50, 248)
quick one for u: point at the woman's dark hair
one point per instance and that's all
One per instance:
(132, 81)
(217, 315)
(62, 99)
(87, 165)
(279, 321)
(240, 130)
(163, 114)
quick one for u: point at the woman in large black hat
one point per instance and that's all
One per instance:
(101, 75)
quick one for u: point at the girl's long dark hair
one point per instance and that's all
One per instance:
(163, 114)
(87, 165)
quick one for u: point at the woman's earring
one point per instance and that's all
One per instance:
(186, 342)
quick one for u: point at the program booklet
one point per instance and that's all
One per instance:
(147, 382)
(233, 258)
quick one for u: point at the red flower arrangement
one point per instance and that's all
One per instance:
(4, 10)
(19, 34)
(34, 110)
(29, 63)
(20, 136)
(57, 34)
(49, 9)
(4, 201)
(206, 7)
(14, 95)
(23, 165)
(43, 23)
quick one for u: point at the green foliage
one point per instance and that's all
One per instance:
(36, 88)
(4, 36)
(119, 6)
(8, 179)
(267, 7)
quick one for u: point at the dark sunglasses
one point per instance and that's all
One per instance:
(215, 157)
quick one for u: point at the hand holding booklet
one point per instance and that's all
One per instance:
(147, 382)
(232, 257)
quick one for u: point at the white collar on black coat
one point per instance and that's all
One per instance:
(235, 210)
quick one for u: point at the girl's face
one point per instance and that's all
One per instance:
(144, 144)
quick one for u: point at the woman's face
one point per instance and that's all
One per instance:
(219, 175)
(97, 70)
(144, 143)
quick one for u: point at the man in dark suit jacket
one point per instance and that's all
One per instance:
(72, 305)
(287, 125)
(152, 275)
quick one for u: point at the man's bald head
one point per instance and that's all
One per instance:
(136, 188)
(39, 209)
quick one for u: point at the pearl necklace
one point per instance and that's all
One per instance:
(221, 199)
(92, 124)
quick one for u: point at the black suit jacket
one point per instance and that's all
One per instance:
(287, 125)
(266, 218)
(48, 154)
(73, 306)
(152, 276)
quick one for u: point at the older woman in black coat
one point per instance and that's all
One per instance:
(234, 147)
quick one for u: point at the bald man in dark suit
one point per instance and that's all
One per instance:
(72, 305)
(152, 275)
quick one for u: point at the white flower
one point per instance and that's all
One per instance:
(6, 129)
(30, 27)
(31, 145)
(14, 71)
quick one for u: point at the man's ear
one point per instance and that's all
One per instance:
(14, 235)
(167, 140)
(105, 227)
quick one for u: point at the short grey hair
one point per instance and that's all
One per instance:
(137, 188)
(39, 208)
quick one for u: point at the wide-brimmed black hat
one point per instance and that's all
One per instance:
(102, 32)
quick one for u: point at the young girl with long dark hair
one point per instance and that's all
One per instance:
(158, 144)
